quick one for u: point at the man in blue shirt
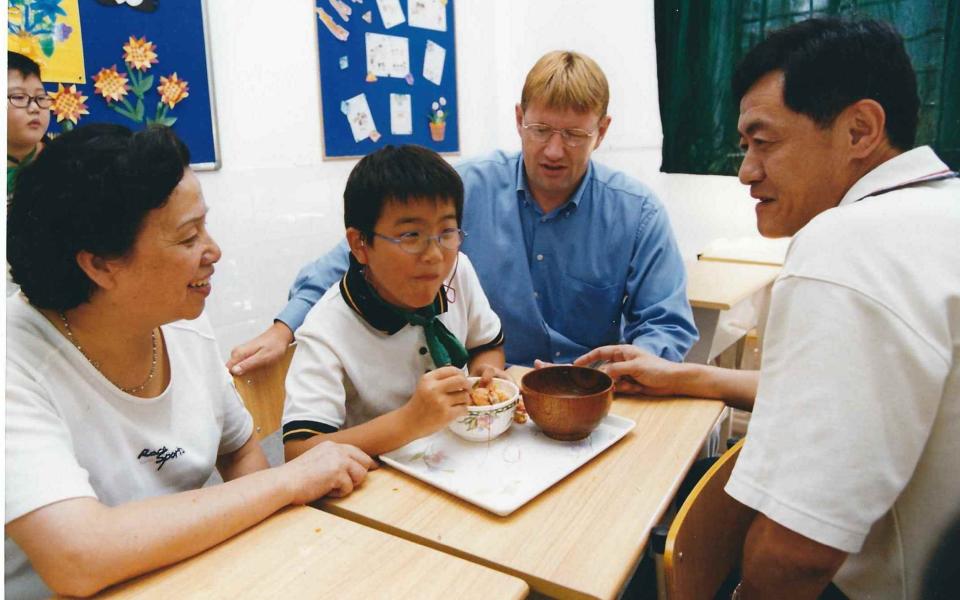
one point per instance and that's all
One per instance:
(571, 254)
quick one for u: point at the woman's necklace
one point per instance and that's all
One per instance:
(96, 365)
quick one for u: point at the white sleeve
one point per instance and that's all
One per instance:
(41, 467)
(316, 394)
(483, 329)
(237, 422)
(847, 398)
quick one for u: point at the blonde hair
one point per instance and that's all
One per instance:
(565, 79)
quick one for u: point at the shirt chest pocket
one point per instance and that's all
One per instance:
(589, 313)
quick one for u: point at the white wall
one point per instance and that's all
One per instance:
(275, 205)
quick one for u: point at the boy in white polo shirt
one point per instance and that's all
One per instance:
(380, 358)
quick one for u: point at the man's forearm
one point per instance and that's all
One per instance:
(735, 387)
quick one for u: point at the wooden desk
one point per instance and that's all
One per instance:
(749, 250)
(728, 299)
(583, 537)
(302, 552)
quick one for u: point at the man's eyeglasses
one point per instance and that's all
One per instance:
(23, 100)
(414, 242)
(542, 133)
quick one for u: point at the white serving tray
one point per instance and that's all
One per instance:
(504, 474)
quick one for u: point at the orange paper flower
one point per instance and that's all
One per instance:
(110, 84)
(140, 54)
(172, 90)
(68, 103)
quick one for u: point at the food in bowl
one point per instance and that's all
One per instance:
(485, 396)
(484, 422)
(565, 401)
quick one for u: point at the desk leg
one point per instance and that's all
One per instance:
(706, 320)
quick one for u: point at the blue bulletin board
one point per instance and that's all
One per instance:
(131, 62)
(388, 75)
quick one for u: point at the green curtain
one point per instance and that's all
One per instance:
(948, 126)
(700, 42)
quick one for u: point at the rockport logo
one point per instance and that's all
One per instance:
(161, 455)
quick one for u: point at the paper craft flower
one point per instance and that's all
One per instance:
(438, 120)
(110, 84)
(126, 94)
(140, 54)
(172, 90)
(68, 104)
(438, 115)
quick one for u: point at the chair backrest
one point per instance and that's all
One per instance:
(705, 541)
(263, 393)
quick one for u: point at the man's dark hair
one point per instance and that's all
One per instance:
(22, 64)
(828, 64)
(398, 174)
(90, 189)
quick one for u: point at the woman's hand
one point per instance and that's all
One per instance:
(327, 469)
(635, 371)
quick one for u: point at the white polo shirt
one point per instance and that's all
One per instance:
(855, 436)
(356, 360)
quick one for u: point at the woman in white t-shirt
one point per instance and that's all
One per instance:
(117, 409)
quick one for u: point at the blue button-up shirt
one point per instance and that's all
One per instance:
(603, 268)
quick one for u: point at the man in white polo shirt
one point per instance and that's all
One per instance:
(851, 456)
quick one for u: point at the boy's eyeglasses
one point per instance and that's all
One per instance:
(24, 100)
(542, 133)
(414, 242)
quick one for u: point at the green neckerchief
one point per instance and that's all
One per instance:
(13, 169)
(445, 348)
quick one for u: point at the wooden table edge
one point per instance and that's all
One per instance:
(553, 590)
(535, 584)
(742, 261)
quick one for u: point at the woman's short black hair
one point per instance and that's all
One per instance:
(828, 64)
(23, 65)
(398, 174)
(90, 189)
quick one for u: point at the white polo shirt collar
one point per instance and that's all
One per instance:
(369, 306)
(912, 167)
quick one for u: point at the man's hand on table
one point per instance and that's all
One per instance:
(635, 371)
(265, 349)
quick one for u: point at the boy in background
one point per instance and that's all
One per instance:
(380, 358)
(28, 113)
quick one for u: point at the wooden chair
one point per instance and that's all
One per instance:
(263, 393)
(705, 542)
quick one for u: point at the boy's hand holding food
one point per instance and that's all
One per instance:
(441, 396)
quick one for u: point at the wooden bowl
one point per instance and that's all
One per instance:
(567, 402)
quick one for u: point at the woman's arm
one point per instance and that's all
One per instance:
(80, 546)
(246, 459)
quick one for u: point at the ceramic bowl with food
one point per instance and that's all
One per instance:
(565, 401)
(490, 413)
